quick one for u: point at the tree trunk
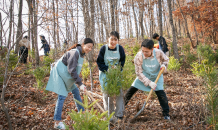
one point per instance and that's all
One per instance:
(175, 49)
(136, 26)
(186, 25)
(54, 28)
(19, 28)
(30, 5)
(146, 27)
(10, 22)
(141, 11)
(35, 8)
(160, 23)
(1, 43)
(117, 16)
(103, 19)
(112, 15)
(57, 25)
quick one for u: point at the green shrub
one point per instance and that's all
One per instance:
(128, 73)
(2, 69)
(207, 70)
(85, 70)
(13, 60)
(174, 64)
(40, 73)
(89, 120)
(48, 61)
(206, 52)
(113, 80)
(136, 49)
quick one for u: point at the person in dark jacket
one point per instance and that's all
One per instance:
(110, 53)
(45, 45)
(162, 43)
(65, 75)
(23, 52)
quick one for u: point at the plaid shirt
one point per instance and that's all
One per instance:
(138, 61)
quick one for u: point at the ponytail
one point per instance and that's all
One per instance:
(72, 47)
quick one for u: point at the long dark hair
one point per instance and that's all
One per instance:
(85, 41)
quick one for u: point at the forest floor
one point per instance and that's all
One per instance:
(30, 108)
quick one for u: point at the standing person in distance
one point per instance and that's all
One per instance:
(111, 52)
(148, 63)
(65, 75)
(45, 45)
(24, 46)
(162, 44)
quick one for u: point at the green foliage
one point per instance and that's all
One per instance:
(128, 73)
(32, 54)
(113, 80)
(208, 71)
(40, 73)
(206, 52)
(89, 120)
(48, 61)
(216, 56)
(13, 59)
(136, 49)
(174, 64)
(85, 70)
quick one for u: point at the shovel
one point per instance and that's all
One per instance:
(143, 107)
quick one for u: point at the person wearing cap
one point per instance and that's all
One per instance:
(162, 43)
(45, 45)
(23, 52)
(148, 63)
(65, 75)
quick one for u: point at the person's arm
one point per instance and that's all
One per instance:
(138, 61)
(72, 61)
(100, 60)
(122, 56)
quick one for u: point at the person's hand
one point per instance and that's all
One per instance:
(83, 87)
(153, 85)
(162, 66)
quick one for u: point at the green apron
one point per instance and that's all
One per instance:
(111, 56)
(151, 68)
(60, 80)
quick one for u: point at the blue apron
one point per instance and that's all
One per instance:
(109, 58)
(151, 68)
(60, 80)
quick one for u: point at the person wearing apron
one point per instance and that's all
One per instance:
(148, 63)
(65, 75)
(110, 53)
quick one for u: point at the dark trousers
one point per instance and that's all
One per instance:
(160, 94)
(24, 54)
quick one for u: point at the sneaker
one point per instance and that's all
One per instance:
(60, 125)
(167, 117)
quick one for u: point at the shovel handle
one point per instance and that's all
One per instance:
(158, 76)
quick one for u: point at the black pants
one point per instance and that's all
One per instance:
(24, 54)
(160, 94)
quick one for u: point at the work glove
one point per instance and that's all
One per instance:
(82, 87)
(163, 66)
(153, 85)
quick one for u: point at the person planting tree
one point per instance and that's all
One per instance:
(110, 56)
(148, 62)
(65, 75)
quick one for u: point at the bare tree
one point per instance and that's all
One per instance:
(10, 23)
(112, 15)
(136, 25)
(160, 18)
(19, 27)
(175, 49)
(1, 29)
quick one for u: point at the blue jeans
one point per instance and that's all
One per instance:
(60, 103)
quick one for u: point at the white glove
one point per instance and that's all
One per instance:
(153, 85)
(82, 87)
(163, 66)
